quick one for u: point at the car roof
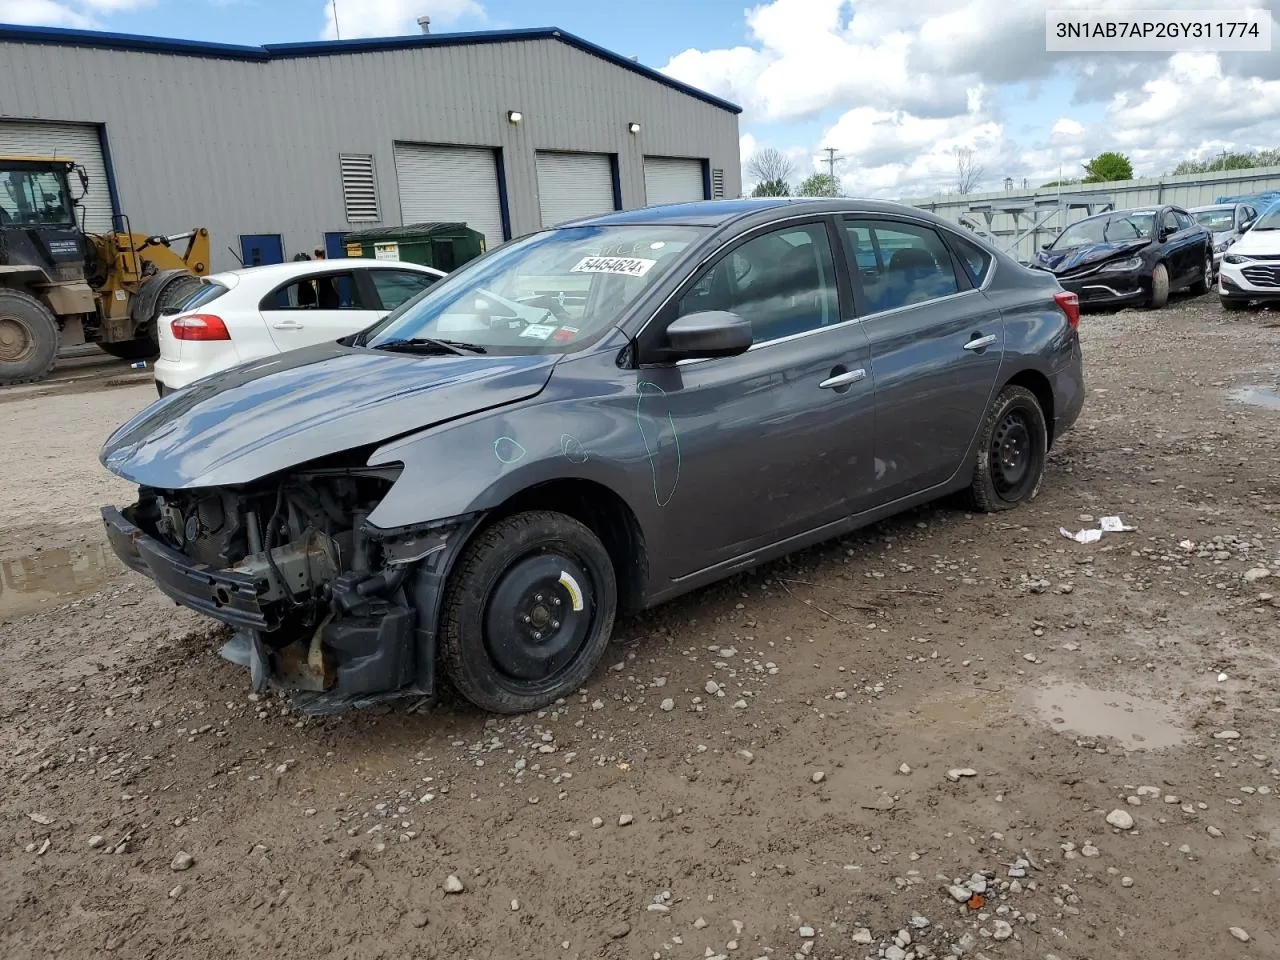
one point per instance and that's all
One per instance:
(276, 272)
(714, 213)
(1215, 206)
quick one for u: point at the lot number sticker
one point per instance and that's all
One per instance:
(624, 266)
(538, 331)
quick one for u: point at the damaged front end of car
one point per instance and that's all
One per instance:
(324, 605)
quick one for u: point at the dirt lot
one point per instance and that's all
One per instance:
(805, 761)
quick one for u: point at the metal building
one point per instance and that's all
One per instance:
(1021, 221)
(282, 148)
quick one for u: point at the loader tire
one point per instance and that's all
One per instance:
(28, 338)
(144, 348)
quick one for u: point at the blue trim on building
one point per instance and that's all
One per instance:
(284, 51)
(111, 173)
(615, 175)
(503, 208)
(706, 179)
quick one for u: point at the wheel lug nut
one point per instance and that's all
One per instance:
(537, 636)
(538, 598)
(525, 618)
(556, 601)
(555, 624)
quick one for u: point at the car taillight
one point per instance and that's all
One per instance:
(199, 326)
(1070, 305)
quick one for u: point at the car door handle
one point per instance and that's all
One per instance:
(287, 325)
(980, 343)
(842, 379)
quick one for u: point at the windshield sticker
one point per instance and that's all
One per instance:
(624, 266)
(538, 331)
(567, 333)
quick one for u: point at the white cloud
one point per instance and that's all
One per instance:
(82, 14)
(900, 86)
(393, 18)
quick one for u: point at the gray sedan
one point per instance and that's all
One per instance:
(1226, 221)
(586, 422)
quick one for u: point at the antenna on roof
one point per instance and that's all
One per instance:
(425, 24)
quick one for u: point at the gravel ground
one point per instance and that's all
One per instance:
(949, 734)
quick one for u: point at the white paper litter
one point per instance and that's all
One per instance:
(1114, 525)
(1106, 525)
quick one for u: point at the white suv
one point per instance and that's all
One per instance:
(1250, 273)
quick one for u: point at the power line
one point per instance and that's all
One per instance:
(831, 161)
(336, 32)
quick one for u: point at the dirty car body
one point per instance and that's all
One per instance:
(587, 422)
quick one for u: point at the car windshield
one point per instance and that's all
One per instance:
(1268, 221)
(1116, 228)
(34, 197)
(545, 293)
(1216, 221)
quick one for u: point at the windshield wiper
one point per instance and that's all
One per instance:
(430, 345)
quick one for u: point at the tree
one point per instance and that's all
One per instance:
(771, 166)
(772, 188)
(1230, 161)
(1060, 183)
(968, 170)
(820, 185)
(1107, 167)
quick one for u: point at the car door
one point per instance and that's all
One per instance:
(316, 308)
(1179, 247)
(389, 287)
(753, 450)
(936, 344)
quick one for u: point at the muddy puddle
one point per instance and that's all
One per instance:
(1257, 397)
(1134, 722)
(31, 583)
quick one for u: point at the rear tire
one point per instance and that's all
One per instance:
(1203, 285)
(147, 347)
(1159, 287)
(1012, 447)
(527, 612)
(28, 338)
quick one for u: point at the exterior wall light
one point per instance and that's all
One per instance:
(515, 116)
(633, 127)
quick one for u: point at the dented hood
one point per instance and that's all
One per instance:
(263, 417)
(1062, 261)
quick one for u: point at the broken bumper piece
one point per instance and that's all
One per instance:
(233, 598)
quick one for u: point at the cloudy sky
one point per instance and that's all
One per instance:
(895, 87)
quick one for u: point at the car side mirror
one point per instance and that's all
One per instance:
(710, 333)
(1165, 234)
(1246, 225)
(1047, 246)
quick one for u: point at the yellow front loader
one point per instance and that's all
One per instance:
(61, 286)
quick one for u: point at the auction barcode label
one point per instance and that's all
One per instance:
(1152, 31)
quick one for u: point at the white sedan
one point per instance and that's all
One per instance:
(257, 312)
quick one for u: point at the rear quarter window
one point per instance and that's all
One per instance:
(208, 291)
(976, 260)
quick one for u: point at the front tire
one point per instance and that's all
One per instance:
(1159, 287)
(1233, 305)
(527, 612)
(1012, 447)
(1203, 285)
(143, 348)
(28, 338)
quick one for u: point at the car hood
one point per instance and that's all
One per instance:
(263, 417)
(1258, 242)
(1071, 258)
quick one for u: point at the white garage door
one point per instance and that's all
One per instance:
(65, 141)
(672, 180)
(573, 185)
(450, 184)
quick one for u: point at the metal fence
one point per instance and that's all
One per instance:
(1019, 221)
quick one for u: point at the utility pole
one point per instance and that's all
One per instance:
(831, 164)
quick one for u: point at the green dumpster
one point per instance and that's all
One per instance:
(445, 246)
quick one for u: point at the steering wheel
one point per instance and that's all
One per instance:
(553, 306)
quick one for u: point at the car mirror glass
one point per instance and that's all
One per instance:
(709, 333)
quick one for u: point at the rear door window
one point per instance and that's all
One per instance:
(326, 291)
(899, 264)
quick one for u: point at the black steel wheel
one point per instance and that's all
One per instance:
(527, 612)
(1012, 448)
(28, 338)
